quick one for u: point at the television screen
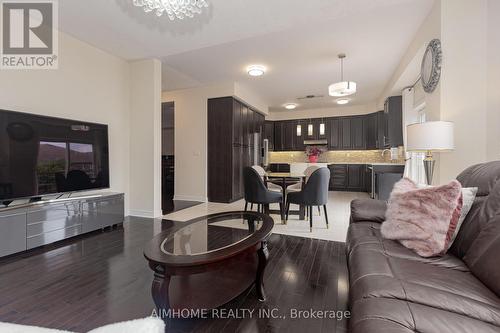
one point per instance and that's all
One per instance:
(43, 155)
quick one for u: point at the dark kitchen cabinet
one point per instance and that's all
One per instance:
(393, 109)
(338, 176)
(289, 133)
(345, 128)
(321, 128)
(347, 177)
(382, 130)
(269, 133)
(230, 130)
(299, 135)
(371, 131)
(334, 134)
(357, 131)
(355, 177)
(279, 132)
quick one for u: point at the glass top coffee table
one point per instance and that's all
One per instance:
(208, 261)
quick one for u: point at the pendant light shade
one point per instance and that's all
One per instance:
(342, 88)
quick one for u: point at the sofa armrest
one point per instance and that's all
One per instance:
(368, 210)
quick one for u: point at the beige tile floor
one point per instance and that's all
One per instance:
(338, 209)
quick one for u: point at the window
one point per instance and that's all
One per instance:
(55, 159)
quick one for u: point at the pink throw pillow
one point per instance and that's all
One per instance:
(423, 220)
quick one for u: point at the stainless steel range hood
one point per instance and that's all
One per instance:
(322, 142)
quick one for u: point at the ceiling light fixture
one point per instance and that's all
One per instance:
(173, 8)
(342, 101)
(256, 70)
(342, 88)
(290, 106)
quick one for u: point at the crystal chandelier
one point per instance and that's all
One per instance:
(173, 8)
(342, 88)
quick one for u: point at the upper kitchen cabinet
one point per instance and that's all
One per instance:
(334, 138)
(371, 131)
(279, 135)
(269, 133)
(300, 134)
(345, 130)
(237, 123)
(289, 134)
(393, 109)
(357, 133)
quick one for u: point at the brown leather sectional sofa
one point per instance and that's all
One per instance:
(392, 289)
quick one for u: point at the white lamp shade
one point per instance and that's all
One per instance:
(430, 136)
(340, 89)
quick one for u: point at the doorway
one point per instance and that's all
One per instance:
(167, 156)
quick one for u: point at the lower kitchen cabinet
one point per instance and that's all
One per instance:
(347, 177)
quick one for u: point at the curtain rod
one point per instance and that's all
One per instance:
(413, 85)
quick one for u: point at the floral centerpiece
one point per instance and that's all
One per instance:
(313, 153)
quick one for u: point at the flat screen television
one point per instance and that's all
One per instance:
(42, 155)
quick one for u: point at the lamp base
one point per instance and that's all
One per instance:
(429, 164)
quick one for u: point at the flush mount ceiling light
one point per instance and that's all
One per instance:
(342, 88)
(256, 70)
(173, 8)
(290, 106)
(342, 101)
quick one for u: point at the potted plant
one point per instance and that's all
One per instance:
(313, 153)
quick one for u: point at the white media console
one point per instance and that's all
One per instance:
(30, 225)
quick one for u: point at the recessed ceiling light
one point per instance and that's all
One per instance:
(342, 101)
(256, 70)
(290, 106)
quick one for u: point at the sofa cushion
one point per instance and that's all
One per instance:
(384, 315)
(486, 178)
(368, 210)
(482, 257)
(381, 268)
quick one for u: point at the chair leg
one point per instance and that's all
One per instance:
(246, 205)
(310, 219)
(287, 211)
(251, 206)
(319, 210)
(326, 217)
(282, 213)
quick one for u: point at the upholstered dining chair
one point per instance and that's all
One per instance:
(256, 192)
(298, 186)
(314, 193)
(270, 186)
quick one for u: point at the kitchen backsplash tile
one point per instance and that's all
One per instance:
(349, 156)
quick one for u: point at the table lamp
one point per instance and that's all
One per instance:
(428, 137)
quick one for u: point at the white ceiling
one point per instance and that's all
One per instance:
(297, 40)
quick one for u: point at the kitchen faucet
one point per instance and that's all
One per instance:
(384, 151)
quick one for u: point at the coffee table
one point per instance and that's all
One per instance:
(208, 261)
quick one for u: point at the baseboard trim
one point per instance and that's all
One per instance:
(190, 198)
(145, 213)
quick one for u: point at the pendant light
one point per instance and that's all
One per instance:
(299, 129)
(342, 88)
(322, 128)
(310, 128)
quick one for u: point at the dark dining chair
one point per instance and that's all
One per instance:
(314, 193)
(256, 192)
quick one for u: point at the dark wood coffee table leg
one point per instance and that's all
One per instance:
(263, 254)
(159, 288)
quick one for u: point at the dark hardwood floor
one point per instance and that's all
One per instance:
(101, 278)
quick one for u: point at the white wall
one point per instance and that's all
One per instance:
(323, 112)
(90, 85)
(464, 82)
(493, 72)
(145, 138)
(191, 138)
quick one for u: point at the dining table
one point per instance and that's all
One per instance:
(285, 179)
